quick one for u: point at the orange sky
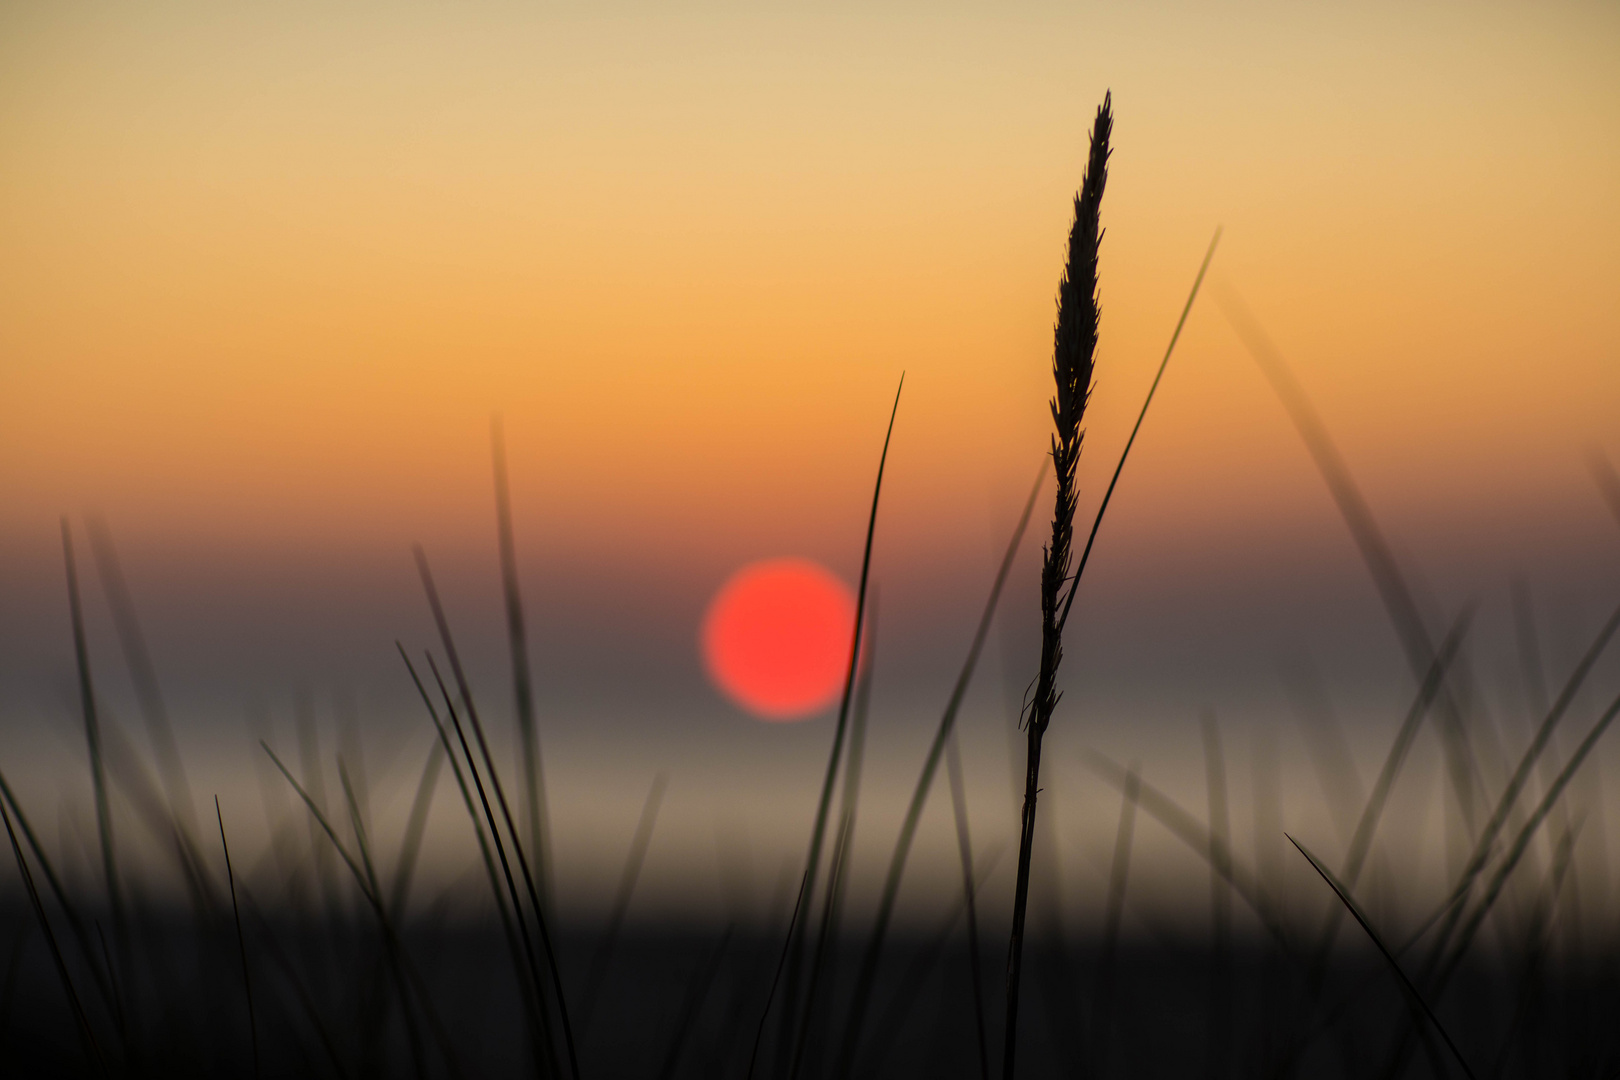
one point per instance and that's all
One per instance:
(273, 272)
(268, 272)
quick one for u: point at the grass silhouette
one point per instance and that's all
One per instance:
(332, 964)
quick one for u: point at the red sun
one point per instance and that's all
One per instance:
(776, 637)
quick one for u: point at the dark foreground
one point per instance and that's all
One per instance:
(677, 1004)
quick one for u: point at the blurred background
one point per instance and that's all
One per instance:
(271, 272)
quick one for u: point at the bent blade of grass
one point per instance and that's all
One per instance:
(790, 1002)
(365, 877)
(1369, 539)
(1414, 998)
(465, 691)
(506, 865)
(516, 944)
(639, 842)
(919, 796)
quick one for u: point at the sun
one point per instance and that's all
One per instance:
(776, 637)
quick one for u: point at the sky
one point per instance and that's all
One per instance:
(271, 272)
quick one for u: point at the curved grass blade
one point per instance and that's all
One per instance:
(790, 1002)
(500, 796)
(919, 797)
(1413, 997)
(1376, 554)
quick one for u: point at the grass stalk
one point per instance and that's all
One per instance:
(919, 796)
(465, 691)
(790, 1003)
(1414, 998)
(781, 963)
(518, 948)
(1074, 354)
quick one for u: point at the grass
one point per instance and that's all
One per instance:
(332, 964)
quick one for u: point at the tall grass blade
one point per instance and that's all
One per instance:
(465, 691)
(506, 866)
(1376, 553)
(867, 972)
(770, 996)
(790, 1000)
(1414, 998)
(639, 843)
(365, 877)
(1073, 355)
(522, 685)
(517, 944)
(1114, 914)
(822, 959)
(241, 941)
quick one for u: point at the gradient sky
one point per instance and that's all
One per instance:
(269, 272)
